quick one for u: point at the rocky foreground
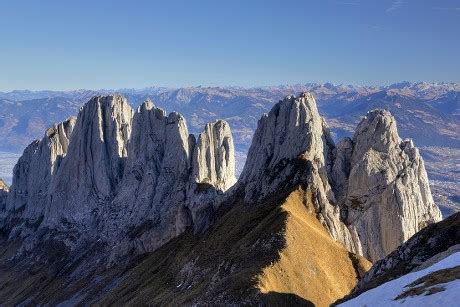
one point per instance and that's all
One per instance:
(126, 206)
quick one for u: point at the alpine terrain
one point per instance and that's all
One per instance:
(122, 206)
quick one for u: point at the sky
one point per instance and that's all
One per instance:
(62, 45)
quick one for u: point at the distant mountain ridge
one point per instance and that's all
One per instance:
(425, 90)
(26, 113)
(427, 112)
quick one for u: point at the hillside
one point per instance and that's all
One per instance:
(424, 270)
(436, 285)
(252, 254)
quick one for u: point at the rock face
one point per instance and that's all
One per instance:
(138, 179)
(126, 178)
(94, 164)
(380, 178)
(292, 146)
(377, 182)
(157, 197)
(214, 156)
(155, 181)
(29, 197)
(3, 194)
(3, 185)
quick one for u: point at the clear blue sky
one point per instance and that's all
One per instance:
(113, 44)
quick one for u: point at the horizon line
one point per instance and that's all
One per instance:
(313, 83)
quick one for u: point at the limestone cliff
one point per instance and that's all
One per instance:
(382, 185)
(292, 145)
(377, 182)
(150, 205)
(29, 195)
(125, 178)
(93, 166)
(3, 194)
(214, 156)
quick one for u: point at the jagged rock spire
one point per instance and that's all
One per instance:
(34, 173)
(111, 171)
(379, 183)
(292, 130)
(292, 146)
(93, 167)
(384, 189)
(155, 181)
(214, 156)
(159, 183)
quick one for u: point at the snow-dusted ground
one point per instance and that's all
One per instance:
(385, 294)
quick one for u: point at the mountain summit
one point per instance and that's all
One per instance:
(100, 192)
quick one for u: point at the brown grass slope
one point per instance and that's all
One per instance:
(274, 253)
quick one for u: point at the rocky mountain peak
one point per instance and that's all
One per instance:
(121, 176)
(292, 146)
(376, 131)
(214, 156)
(292, 130)
(114, 184)
(29, 196)
(383, 179)
(93, 166)
(376, 181)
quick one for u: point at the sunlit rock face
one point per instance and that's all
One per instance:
(93, 166)
(128, 178)
(383, 186)
(29, 196)
(377, 182)
(214, 156)
(150, 207)
(3, 194)
(292, 146)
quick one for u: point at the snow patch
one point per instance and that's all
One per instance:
(385, 294)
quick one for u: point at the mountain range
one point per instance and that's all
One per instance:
(126, 206)
(429, 113)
